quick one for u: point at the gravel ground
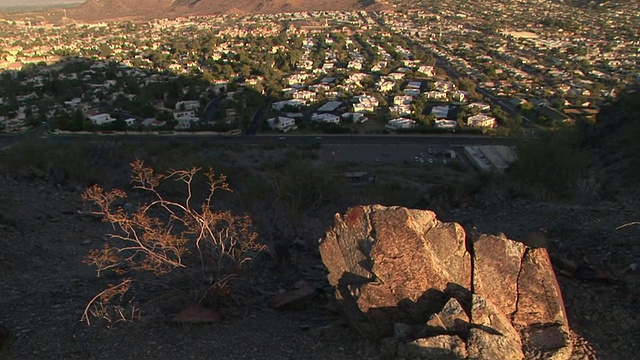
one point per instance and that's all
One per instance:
(44, 286)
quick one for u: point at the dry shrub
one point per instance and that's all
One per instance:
(161, 236)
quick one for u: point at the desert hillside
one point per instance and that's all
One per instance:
(98, 10)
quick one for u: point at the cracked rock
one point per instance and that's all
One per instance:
(393, 265)
(492, 336)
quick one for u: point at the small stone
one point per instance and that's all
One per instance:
(442, 347)
(452, 318)
(196, 313)
(294, 299)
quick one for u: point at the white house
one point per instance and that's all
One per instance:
(385, 85)
(355, 64)
(458, 95)
(355, 117)
(445, 124)
(73, 102)
(184, 115)
(400, 123)
(130, 121)
(401, 110)
(328, 66)
(396, 75)
(188, 105)
(444, 86)
(101, 119)
(379, 66)
(402, 99)
(481, 120)
(325, 117)
(436, 95)
(356, 78)
(296, 103)
(365, 103)
(282, 123)
(480, 106)
(319, 88)
(426, 70)
(153, 122)
(304, 95)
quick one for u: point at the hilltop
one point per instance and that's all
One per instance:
(95, 10)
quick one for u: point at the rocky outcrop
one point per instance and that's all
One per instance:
(427, 291)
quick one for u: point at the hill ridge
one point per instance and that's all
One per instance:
(101, 10)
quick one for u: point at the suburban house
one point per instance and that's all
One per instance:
(426, 70)
(440, 112)
(130, 121)
(481, 120)
(319, 88)
(330, 106)
(356, 118)
(411, 92)
(184, 115)
(444, 86)
(480, 106)
(445, 124)
(385, 85)
(188, 105)
(282, 123)
(365, 103)
(325, 117)
(400, 123)
(458, 95)
(153, 122)
(101, 119)
(414, 85)
(401, 110)
(304, 95)
(379, 66)
(436, 95)
(402, 100)
(296, 103)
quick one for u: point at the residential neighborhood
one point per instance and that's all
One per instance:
(451, 67)
(313, 179)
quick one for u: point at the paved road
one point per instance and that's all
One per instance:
(354, 139)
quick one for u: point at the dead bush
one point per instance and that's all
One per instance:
(162, 236)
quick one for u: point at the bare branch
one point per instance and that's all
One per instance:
(157, 235)
(628, 224)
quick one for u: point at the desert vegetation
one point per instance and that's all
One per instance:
(163, 236)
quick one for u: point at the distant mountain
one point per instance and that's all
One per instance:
(96, 10)
(34, 5)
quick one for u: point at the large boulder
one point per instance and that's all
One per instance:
(376, 261)
(488, 298)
